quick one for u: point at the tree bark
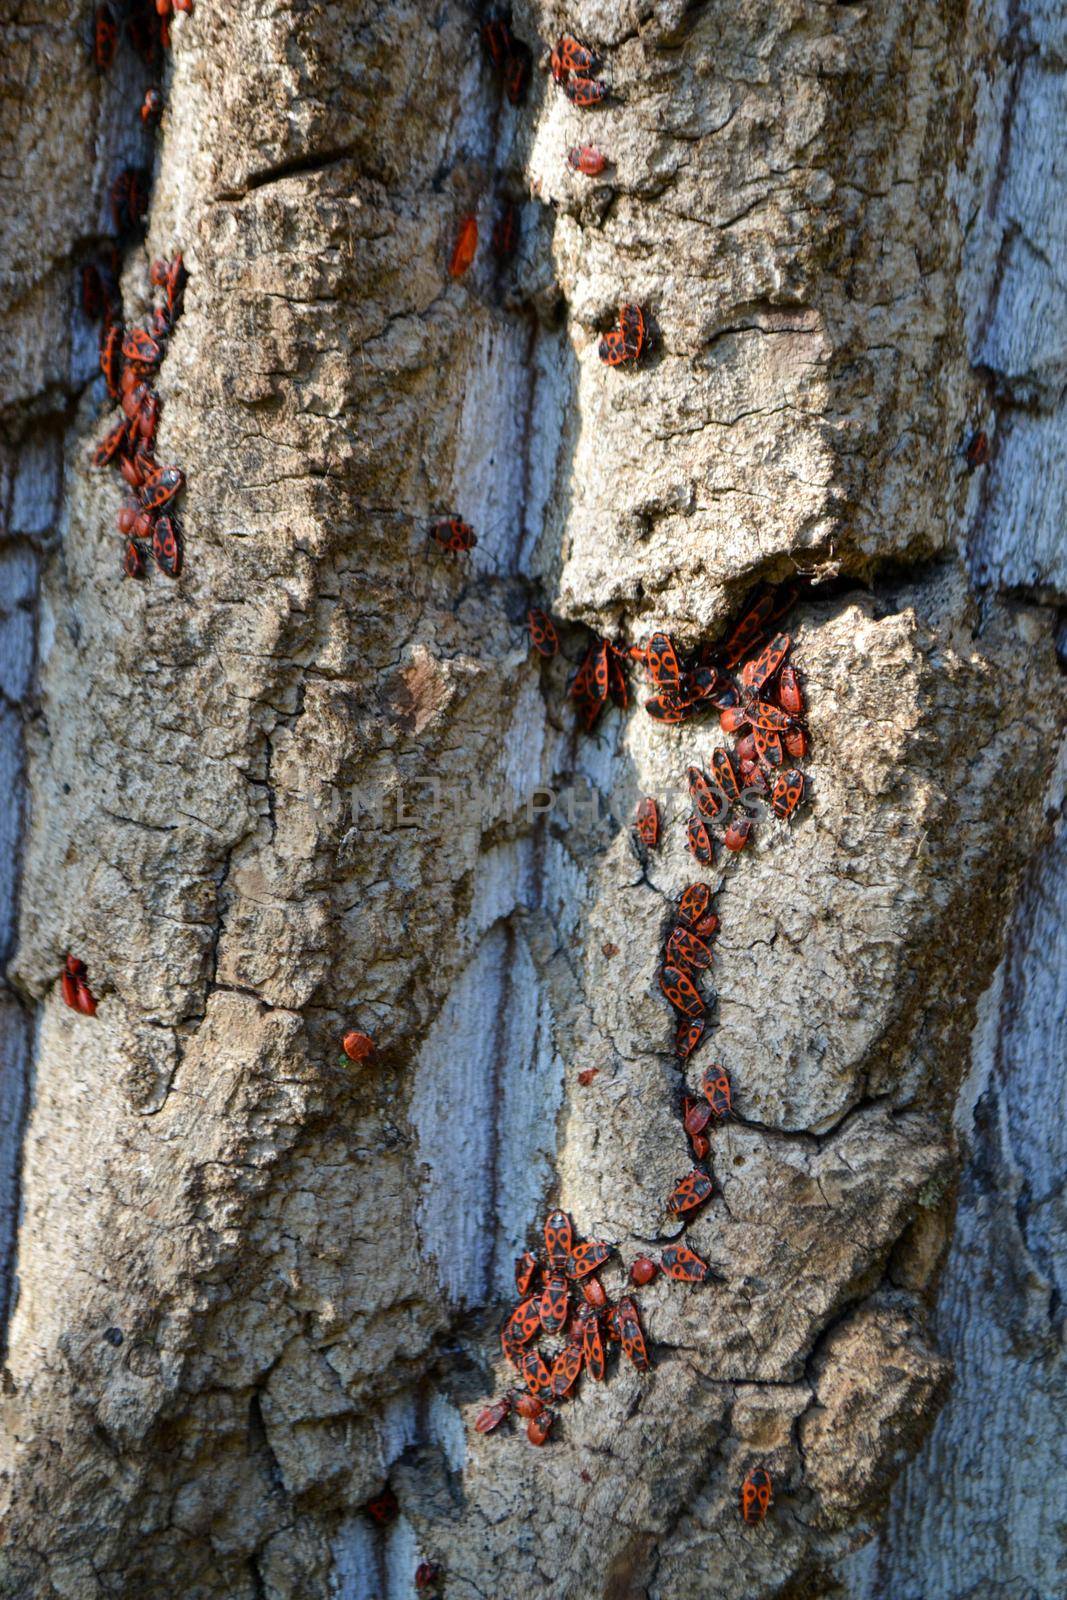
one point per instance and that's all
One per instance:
(304, 789)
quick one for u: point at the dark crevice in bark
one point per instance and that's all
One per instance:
(299, 166)
(16, 1087)
(255, 1578)
(259, 1445)
(18, 1011)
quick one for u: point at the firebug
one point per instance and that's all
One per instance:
(595, 1293)
(617, 688)
(565, 1370)
(632, 327)
(543, 635)
(612, 348)
(757, 1495)
(538, 1428)
(498, 42)
(716, 1088)
(140, 349)
(517, 72)
(769, 748)
(569, 56)
(454, 535)
(790, 694)
(465, 247)
(694, 904)
(358, 1047)
(493, 1415)
(685, 949)
(664, 707)
(977, 451)
(105, 37)
(506, 232)
(708, 801)
(133, 562)
(690, 1191)
(587, 160)
(161, 486)
(535, 1374)
(762, 670)
(647, 822)
(111, 359)
(592, 1344)
(630, 1334)
(559, 1239)
(725, 775)
(586, 1258)
(678, 988)
(383, 1508)
(661, 658)
(585, 92)
(697, 1115)
(524, 1321)
(684, 1264)
(738, 833)
(110, 445)
(787, 793)
(167, 545)
(748, 631)
(688, 1037)
(525, 1268)
(699, 840)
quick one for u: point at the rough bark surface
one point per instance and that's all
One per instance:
(289, 795)
(998, 1441)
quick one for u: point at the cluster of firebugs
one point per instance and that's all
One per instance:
(747, 680)
(146, 24)
(130, 356)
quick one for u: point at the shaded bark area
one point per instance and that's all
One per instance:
(1000, 1311)
(1001, 1306)
(290, 796)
